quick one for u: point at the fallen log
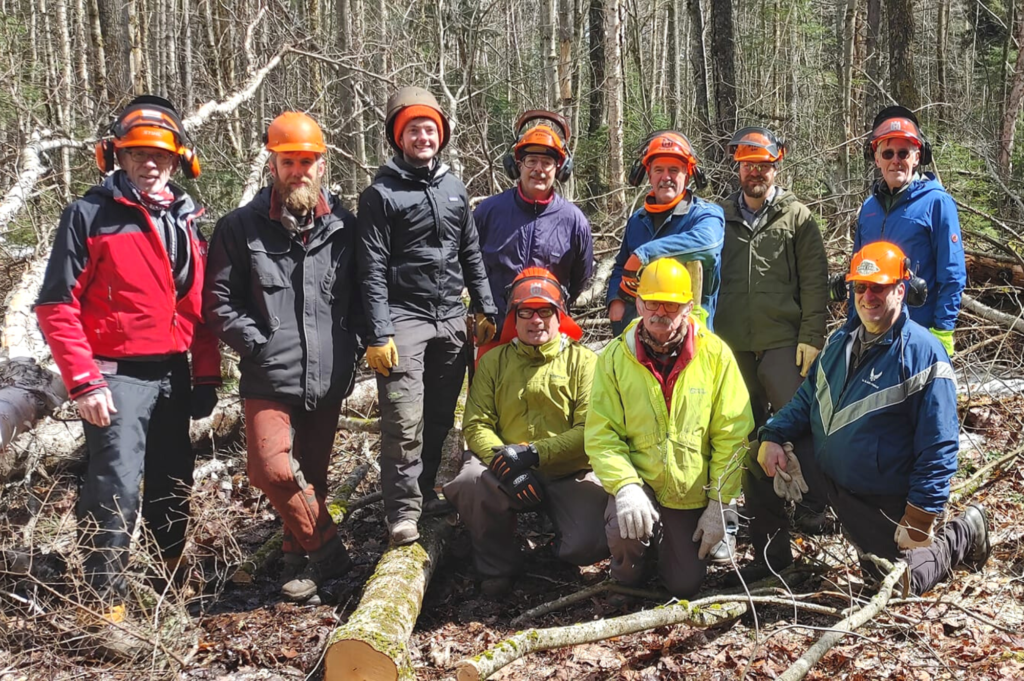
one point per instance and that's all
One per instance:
(373, 644)
(986, 268)
(971, 484)
(535, 640)
(1011, 322)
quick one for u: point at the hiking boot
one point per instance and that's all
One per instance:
(723, 551)
(291, 565)
(105, 640)
(404, 532)
(329, 562)
(978, 554)
(435, 507)
(811, 520)
(496, 587)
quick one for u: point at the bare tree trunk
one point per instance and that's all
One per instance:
(566, 68)
(98, 62)
(1013, 102)
(613, 97)
(873, 62)
(549, 50)
(113, 21)
(724, 49)
(186, 56)
(698, 64)
(598, 113)
(941, 30)
(135, 69)
(358, 135)
(82, 59)
(900, 16)
(675, 94)
(849, 24)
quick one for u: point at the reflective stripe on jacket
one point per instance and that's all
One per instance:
(687, 453)
(889, 428)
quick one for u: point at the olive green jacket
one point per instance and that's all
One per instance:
(774, 277)
(540, 395)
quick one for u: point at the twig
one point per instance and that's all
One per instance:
(971, 484)
(582, 595)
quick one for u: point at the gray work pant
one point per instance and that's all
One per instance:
(417, 409)
(681, 571)
(574, 503)
(869, 520)
(772, 378)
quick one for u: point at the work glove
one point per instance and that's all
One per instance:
(204, 399)
(805, 355)
(635, 512)
(485, 329)
(946, 338)
(526, 488)
(710, 528)
(510, 460)
(915, 529)
(630, 282)
(790, 484)
(382, 358)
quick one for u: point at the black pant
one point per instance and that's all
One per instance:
(147, 441)
(869, 521)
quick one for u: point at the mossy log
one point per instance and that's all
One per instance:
(535, 640)
(373, 644)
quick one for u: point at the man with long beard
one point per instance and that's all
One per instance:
(281, 292)
(774, 288)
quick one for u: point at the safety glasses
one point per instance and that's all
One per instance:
(904, 154)
(528, 312)
(878, 289)
(757, 167)
(653, 305)
(542, 162)
(141, 155)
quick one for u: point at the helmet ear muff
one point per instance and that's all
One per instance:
(917, 288)
(189, 162)
(637, 172)
(508, 162)
(105, 155)
(700, 180)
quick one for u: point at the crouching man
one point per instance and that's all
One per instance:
(666, 434)
(524, 423)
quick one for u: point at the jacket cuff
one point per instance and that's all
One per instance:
(86, 388)
(766, 435)
(207, 380)
(619, 484)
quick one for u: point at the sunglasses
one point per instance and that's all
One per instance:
(904, 154)
(878, 289)
(528, 312)
(653, 305)
(757, 167)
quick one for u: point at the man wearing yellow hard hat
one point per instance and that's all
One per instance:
(666, 434)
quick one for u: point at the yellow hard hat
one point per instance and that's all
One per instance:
(665, 280)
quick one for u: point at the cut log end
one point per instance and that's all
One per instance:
(353, 660)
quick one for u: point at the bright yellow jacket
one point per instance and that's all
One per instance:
(687, 453)
(522, 393)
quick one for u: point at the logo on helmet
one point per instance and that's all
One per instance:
(536, 289)
(666, 143)
(895, 125)
(868, 267)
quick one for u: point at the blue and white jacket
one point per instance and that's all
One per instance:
(889, 428)
(694, 231)
(924, 223)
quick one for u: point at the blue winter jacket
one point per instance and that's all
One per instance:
(694, 231)
(516, 233)
(923, 222)
(890, 428)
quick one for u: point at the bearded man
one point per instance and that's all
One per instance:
(281, 292)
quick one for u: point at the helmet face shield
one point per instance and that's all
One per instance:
(536, 286)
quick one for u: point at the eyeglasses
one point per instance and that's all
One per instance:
(141, 155)
(528, 312)
(653, 305)
(904, 154)
(543, 162)
(756, 167)
(878, 289)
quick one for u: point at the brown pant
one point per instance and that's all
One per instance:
(681, 571)
(574, 503)
(289, 450)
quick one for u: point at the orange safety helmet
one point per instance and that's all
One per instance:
(550, 131)
(896, 122)
(294, 131)
(148, 121)
(879, 262)
(756, 144)
(669, 143)
(538, 286)
(540, 136)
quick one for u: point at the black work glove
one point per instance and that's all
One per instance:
(204, 399)
(526, 488)
(509, 460)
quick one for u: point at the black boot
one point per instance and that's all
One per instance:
(977, 555)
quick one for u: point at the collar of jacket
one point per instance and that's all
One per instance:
(182, 207)
(890, 336)
(542, 354)
(322, 206)
(887, 197)
(397, 165)
(679, 205)
(731, 206)
(529, 205)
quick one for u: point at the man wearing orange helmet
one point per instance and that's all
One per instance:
(671, 223)
(530, 225)
(880, 405)
(281, 292)
(120, 306)
(417, 248)
(912, 210)
(771, 310)
(524, 426)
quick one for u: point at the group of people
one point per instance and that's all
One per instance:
(719, 378)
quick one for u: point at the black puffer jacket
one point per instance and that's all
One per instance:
(417, 245)
(286, 304)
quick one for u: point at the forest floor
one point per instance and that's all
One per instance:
(972, 625)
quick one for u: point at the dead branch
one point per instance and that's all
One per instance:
(799, 669)
(598, 285)
(32, 168)
(608, 585)
(203, 113)
(358, 425)
(970, 485)
(255, 180)
(986, 312)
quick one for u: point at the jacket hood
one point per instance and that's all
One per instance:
(542, 353)
(398, 168)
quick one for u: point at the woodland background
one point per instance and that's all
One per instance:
(815, 71)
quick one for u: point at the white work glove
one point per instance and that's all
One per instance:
(635, 512)
(805, 355)
(710, 528)
(789, 481)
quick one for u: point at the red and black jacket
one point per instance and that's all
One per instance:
(109, 289)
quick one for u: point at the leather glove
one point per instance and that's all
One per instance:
(485, 328)
(527, 489)
(635, 512)
(915, 529)
(510, 460)
(204, 399)
(630, 281)
(805, 355)
(790, 484)
(710, 528)
(946, 338)
(382, 358)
